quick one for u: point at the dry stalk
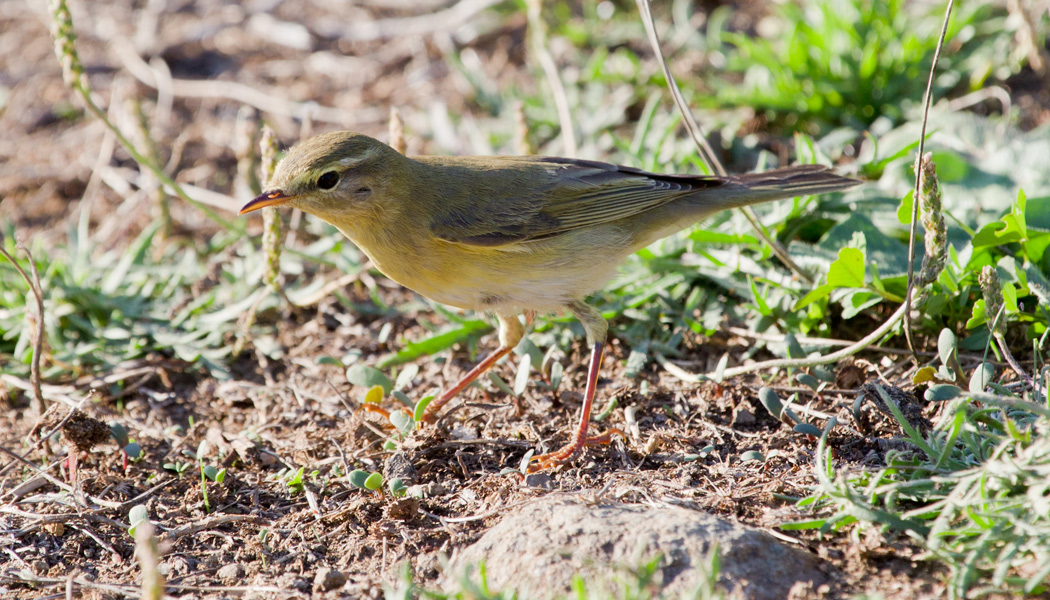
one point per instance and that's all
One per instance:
(35, 322)
(538, 33)
(397, 131)
(271, 215)
(707, 153)
(926, 101)
(148, 551)
(73, 74)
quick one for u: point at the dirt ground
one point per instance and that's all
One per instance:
(262, 537)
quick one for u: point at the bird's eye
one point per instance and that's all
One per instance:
(327, 180)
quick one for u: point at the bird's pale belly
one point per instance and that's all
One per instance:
(542, 276)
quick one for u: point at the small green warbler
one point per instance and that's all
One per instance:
(510, 235)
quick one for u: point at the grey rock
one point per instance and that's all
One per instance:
(538, 548)
(542, 481)
(743, 416)
(398, 466)
(230, 574)
(328, 579)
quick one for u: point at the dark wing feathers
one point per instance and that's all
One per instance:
(556, 195)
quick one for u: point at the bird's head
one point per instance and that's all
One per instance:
(336, 176)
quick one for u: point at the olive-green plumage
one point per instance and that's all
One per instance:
(509, 234)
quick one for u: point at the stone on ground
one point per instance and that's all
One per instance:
(538, 548)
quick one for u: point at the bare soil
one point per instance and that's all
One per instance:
(261, 537)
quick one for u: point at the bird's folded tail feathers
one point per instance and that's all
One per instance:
(789, 182)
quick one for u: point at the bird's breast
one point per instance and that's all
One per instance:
(542, 276)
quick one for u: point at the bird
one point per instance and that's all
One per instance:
(511, 235)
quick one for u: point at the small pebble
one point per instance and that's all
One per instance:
(542, 481)
(231, 573)
(328, 579)
(398, 466)
(743, 416)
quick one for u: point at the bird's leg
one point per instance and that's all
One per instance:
(596, 327)
(510, 333)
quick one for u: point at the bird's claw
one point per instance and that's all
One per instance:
(567, 452)
(375, 408)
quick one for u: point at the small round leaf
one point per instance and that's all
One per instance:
(947, 345)
(373, 482)
(374, 395)
(924, 375)
(807, 429)
(405, 377)
(982, 377)
(358, 478)
(823, 373)
(521, 378)
(751, 455)
(402, 421)
(771, 401)
(119, 434)
(329, 360)
(807, 380)
(942, 392)
(366, 377)
(138, 514)
(133, 450)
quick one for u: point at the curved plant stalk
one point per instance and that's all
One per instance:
(707, 153)
(37, 335)
(992, 291)
(868, 340)
(935, 240)
(927, 100)
(538, 33)
(73, 74)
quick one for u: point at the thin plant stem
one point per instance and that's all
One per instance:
(927, 99)
(38, 336)
(868, 340)
(73, 73)
(707, 153)
(538, 31)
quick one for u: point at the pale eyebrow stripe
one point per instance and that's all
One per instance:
(353, 161)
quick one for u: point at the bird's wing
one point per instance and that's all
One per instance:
(551, 196)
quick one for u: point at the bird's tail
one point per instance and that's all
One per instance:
(788, 182)
(731, 192)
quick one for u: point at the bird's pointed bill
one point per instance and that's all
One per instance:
(271, 198)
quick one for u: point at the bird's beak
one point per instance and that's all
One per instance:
(271, 198)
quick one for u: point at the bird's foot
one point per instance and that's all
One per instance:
(375, 408)
(570, 450)
(429, 416)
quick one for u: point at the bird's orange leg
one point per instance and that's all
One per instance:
(375, 408)
(558, 457)
(510, 333)
(430, 414)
